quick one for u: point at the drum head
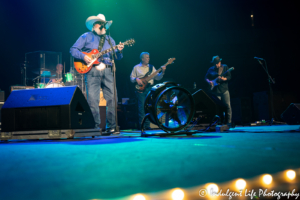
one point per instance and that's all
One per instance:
(54, 85)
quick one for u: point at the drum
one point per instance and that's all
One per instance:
(54, 85)
(39, 85)
(68, 77)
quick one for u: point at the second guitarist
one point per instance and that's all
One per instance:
(138, 72)
(220, 90)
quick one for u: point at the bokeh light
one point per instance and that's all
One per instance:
(290, 174)
(267, 179)
(177, 194)
(240, 184)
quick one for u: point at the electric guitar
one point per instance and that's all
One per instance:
(82, 68)
(148, 77)
(215, 81)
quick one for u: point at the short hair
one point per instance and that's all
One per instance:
(142, 54)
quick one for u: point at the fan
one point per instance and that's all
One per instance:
(169, 106)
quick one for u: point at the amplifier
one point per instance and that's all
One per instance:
(20, 87)
(1, 104)
(2, 96)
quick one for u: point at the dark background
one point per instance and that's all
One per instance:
(191, 31)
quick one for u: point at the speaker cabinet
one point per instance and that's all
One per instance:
(292, 114)
(241, 110)
(19, 87)
(46, 109)
(207, 106)
(1, 105)
(2, 96)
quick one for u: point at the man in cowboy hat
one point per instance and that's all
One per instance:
(221, 90)
(99, 76)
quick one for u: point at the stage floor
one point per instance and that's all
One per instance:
(119, 166)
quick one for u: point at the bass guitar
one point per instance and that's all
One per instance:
(215, 81)
(147, 77)
(82, 68)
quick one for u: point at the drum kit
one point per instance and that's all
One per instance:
(47, 80)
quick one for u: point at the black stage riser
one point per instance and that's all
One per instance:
(46, 109)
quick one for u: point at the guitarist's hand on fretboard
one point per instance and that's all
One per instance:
(222, 78)
(163, 69)
(120, 46)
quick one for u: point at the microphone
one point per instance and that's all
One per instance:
(257, 58)
(102, 26)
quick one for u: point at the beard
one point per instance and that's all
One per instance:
(100, 31)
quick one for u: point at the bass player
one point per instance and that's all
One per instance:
(138, 72)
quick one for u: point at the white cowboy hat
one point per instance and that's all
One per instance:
(92, 19)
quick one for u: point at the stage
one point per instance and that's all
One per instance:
(119, 166)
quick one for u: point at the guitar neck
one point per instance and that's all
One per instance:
(228, 70)
(155, 73)
(105, 51)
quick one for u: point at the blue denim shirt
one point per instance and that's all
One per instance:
(89, 41)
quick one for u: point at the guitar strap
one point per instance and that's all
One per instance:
(220, 70)
(101, 42)
(150, 70)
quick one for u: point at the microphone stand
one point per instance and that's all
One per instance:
(115, 85)
(271, 81)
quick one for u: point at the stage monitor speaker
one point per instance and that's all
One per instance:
(207, 106)
(46, 109)
(292, 114)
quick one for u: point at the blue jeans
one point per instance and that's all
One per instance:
(225, 98)
(141, 97)
(94, 80)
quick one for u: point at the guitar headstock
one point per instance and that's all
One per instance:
(170, 61)
(129, 42)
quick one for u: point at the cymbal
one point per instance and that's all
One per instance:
(38, 71)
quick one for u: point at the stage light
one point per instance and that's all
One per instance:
(251, 16)
(212, 189)
(240, 184)
(290, 174)
(177, 194)
(267, 179)
(139, 197)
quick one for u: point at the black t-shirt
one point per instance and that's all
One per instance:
(213, 73)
